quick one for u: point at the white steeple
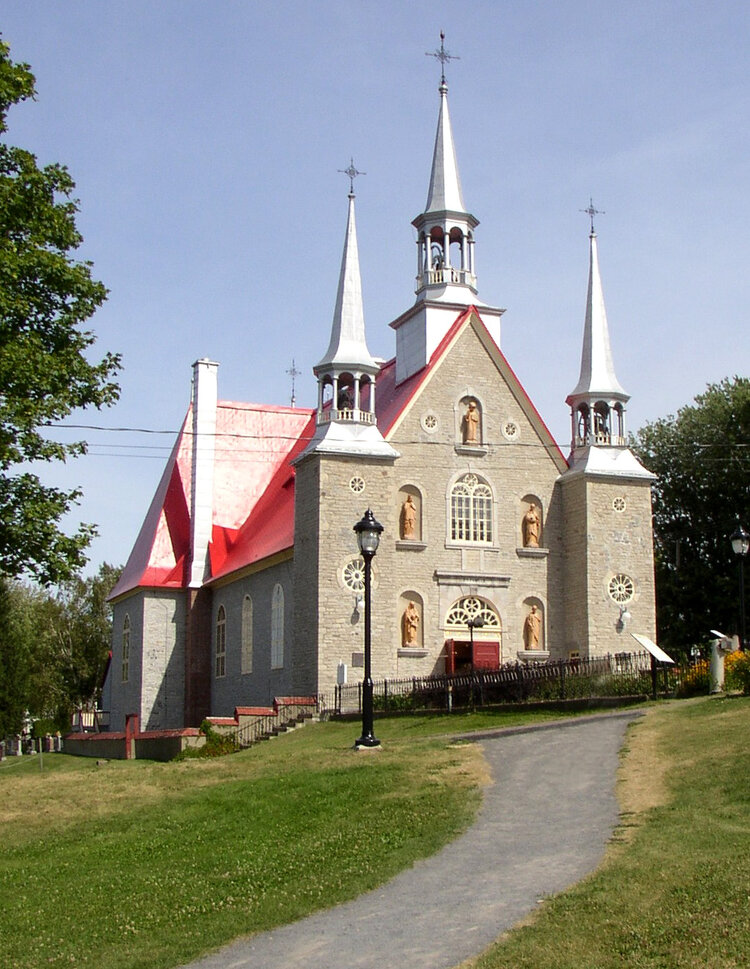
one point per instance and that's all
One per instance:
(446, 272)
(445, 230)
(598, 401)
(346, 374)
(348, 347)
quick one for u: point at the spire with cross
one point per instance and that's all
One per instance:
(293, 372)
(352, 172)
(443, 56)
(591, 212)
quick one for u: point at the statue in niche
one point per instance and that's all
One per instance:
(471, 424)
(531, 526)
(532, 629)
(410, 626)
(409, 519)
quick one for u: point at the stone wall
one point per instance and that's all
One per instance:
(235, 688)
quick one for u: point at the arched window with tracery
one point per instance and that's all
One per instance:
(472, 608)
(247, 635)
(471, 510)
(220, 665)
(277, 628)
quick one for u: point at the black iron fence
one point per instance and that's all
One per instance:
(620, 675)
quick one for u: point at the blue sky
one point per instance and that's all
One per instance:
(205, 139)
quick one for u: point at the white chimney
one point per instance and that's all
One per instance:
(205, 395)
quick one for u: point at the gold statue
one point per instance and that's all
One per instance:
(410, 625)
(409, 518)
(532, 629)
(471, 424)
(531, 526)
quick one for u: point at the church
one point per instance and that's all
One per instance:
(245, 582)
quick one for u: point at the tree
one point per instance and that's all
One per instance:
(702, 460)
(45, 298)
(83, 634)
(54, 647)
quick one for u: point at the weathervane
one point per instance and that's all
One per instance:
(352, 172)
(442, 55)
(591, 212)
(293, 372)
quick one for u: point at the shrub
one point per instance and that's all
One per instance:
(737, 672)
(216, 745)
(696, 680)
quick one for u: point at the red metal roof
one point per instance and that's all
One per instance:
(253, 515)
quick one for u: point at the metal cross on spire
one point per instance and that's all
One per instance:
(591, 212)
(442, 55)
(293, 372)
(352, 172)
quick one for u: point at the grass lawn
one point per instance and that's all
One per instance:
(674, 890)
(139, 864)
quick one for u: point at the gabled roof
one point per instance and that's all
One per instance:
(254, 444)
(393, 402)
(253, 514)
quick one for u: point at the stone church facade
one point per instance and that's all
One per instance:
(245, 582)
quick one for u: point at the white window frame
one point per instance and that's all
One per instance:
(125, 667)
(277, 628)
(220, 653)
(247, 635)
(471, 511)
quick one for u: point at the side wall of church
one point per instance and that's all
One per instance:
(155, 684)
(253, 672)
(163, 689)
(126, 684)
(307, 513)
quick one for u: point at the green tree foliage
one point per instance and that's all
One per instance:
(702, 459)
(15, 639)
(54, 647)
(45, 374)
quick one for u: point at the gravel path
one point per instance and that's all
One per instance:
(543, 825)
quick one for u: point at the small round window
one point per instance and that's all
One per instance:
(357, 485)
(619, 504)
(354, 575)
(429, 422)
(511, 430)
(621, 588)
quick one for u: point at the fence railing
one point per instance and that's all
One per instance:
(265, 725)
(623, 674)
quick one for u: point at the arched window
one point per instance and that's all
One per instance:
(471, 510)
(247, 635)
(220, 666)
(471, 607)
(125, 648)
(277, 628)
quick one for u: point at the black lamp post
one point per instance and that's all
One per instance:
(740, 540)
(476, 622)
(368, 538)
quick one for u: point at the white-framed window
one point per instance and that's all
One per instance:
(220, 664)
(125, 649)
(277, 628)
(247, 635)
(471, 510)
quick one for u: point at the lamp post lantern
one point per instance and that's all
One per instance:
(740, 540)
(368, 538)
